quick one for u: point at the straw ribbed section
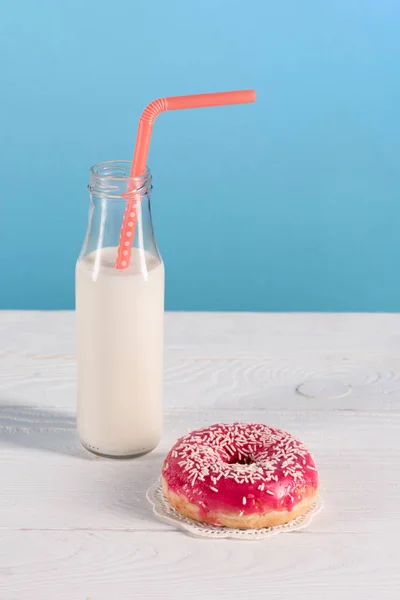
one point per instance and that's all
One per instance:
(153, 110)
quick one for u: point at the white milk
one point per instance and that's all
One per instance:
(120, 352)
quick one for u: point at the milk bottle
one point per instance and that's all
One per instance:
(119, 321)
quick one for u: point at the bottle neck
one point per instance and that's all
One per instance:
(112, 180)
(110, 187)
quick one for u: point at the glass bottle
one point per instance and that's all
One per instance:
(120, 321)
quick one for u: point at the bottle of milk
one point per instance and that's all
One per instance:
(119, 321)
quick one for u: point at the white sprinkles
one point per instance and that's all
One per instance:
(246, 453)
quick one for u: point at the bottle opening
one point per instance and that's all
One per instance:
(112, 179)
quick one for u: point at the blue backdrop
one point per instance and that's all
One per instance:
(289, 204)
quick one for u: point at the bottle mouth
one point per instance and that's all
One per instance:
(111, 179)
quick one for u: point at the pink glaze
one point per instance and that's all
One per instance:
(242, 468)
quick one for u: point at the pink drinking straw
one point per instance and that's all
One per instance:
(142, 146)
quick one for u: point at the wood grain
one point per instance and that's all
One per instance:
(273, 383)
(76, 526)
(105, 565)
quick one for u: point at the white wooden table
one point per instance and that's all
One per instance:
(75, 527)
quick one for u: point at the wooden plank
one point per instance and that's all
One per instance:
(277, 334)
(232, 334)
(49, 482)
(355, 383)
(108, 565)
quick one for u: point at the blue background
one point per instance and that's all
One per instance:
(289, 204)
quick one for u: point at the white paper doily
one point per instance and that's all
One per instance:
(165, 511)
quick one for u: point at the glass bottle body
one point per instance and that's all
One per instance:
(120, 321)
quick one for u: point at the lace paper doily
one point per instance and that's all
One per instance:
(163, 509)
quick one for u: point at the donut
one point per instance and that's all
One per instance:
(240, 475)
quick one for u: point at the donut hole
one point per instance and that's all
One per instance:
(244, 461)
(239, 459)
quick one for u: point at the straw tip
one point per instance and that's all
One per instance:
(252, 95)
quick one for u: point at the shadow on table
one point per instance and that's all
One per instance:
(50, 430)
(120, 485)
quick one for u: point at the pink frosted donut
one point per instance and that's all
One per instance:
(240, 475)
